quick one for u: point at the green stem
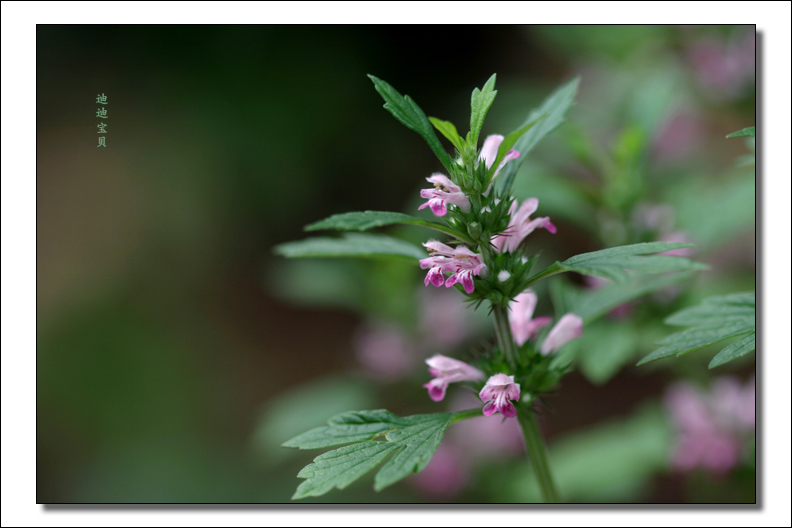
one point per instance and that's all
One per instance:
(537, 453)
(505, 339)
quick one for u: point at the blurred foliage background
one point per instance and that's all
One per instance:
(176, 353)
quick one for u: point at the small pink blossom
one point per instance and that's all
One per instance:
(499, 389)
(677, 236)
(489, 153)
(521, 225)
(384, 350)
(461, 262)
(445, 192)
(522, 325)
(448, 370)
(569, 327)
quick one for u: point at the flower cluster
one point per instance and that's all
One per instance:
(462, 263)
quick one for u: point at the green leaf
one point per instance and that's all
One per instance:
(350, 245)
(552, 110)
(408, 113)
(750, 132)
(737, 349)
(611, 263)
(448, 129)
(715, 319)
(480, 102)
(604, 349)
(412, 440)
(361, 221)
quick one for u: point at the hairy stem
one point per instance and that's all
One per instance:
(537, 453)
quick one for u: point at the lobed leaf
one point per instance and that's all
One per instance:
(350, 245)
(552, 112)
(408, 113)
(412, 440)
(714, 320)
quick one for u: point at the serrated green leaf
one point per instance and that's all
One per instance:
(737, 349)
(480, 102)
(552, 110)
(745, 132)
(408, 113)
(350, 245)
(715, 319)
(448, 129)
(412, 439)
(340, 468)
(363, 220)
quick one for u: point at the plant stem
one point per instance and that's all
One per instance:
(537, 450)
(505, 339)
(537, 453)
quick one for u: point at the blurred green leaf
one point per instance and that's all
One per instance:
(716, 319)
(350, 245)
(552, 110)
(480, 102)
(408, 113)
(303, 406)
(363, 220)
(594, 303)
(750, 132)
(604, 349)
(412, 440)
(607, 463)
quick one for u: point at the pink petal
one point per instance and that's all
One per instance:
(512, 154)
(507, 409)
(566, 329)
(443, 180)
(436, 391)
(489, 151)
(438, 207)
(489, 409)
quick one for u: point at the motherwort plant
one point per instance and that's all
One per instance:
(479, 249)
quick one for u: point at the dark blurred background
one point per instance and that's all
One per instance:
(161, 338)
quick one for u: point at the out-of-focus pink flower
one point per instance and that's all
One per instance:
(569, 327)
(711, 426)
(724, 67)
(444, 320)
(521, 225)
(444, 192)
(448, 370)
(680, 135)
(489, 153)
(445, 475)
(461, 262)
(384, 351)
(522, 325)
(677, 236)
(620, 312)
(499, 389)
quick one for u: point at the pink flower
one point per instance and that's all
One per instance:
(489, 153)
(461, 262)
(565, 330)
(385, 351)
(522, 326)
(448, 370)
(677, 236)
(521, 225)
(499, 389)
(445, 192)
